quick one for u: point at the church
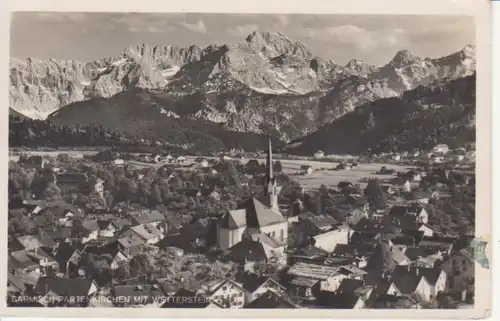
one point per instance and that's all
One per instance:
(257, 221)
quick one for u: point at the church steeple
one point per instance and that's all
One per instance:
(269, 162)
(271, 190)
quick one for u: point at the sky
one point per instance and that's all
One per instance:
(374, 39)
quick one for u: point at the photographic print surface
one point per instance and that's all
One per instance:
(245, 161)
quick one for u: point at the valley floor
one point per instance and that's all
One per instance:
(323, 171)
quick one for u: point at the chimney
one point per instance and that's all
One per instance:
(408, 268)
(417, 271)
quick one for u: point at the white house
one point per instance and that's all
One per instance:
(227, 293)
(441, 148)
(329, 240)
(319, 154)
(306, 170)
(396, 157)
(118, 161)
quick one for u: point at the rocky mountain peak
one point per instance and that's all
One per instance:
(404, 58)
(272, 44)
(468, 51)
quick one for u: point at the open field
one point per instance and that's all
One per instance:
(322, 175)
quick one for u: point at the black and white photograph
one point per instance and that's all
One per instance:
(242, 161)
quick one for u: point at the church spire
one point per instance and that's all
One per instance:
(271, 190)
(269, 163)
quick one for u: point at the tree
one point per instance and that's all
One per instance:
(123, 271)
(140, 265)
(277, 167)
(375, 195)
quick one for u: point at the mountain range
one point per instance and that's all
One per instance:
(264, 84)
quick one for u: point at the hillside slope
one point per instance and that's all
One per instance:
(440, 113)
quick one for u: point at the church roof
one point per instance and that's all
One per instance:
(252, 213)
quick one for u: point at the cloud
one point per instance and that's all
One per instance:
(242, 31)
(354, 37)
(198, 27)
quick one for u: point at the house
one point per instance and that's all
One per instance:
(417, 211)
(156, 158)
(227, 293)
(147, 232)
(180, 159)
(436, 279)
(70, 181)
(309, 253)
(131, 245)
(111, 249)
(414, 176)
(329, 240)
(343, 166)
(319, 154)
(256, 285)
(411, 282)
(436, 158)
(460, 268)
(351, 294)
(388, 189)
(202, 162)
(350, 272)
(315, 225)
(154, 217)
(307, 279)
(441, 148)
(402, 183)
(88, 230)
(35, 162)
(250, 252)
(15, 286)
(68, 258)
(110, 228)
(118, 161)
(75, 292)
(396, 157)
(271, 300)
(306, 170)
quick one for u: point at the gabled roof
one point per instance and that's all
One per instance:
(20, 260)
(271, 300)
(128, 242)
(147, 231)
(248, 250)
(64, 286)
(315, 271)
(147, 216)
(90, 225)
(322, 221)
(251, 213)
(337, 300)
(29, 241)
(16, 282)
(406, 280)
(430, 274)
(72, 178)
(349, 285)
